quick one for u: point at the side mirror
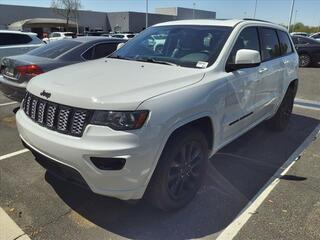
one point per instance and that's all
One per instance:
(120, 45)
(245, 58)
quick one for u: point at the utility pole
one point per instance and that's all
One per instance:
(147, 13)
(193, 10)
(291, 13)
(255, 9)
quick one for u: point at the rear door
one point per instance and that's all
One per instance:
(270, 72)
(289, 58)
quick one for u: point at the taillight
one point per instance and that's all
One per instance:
(29, 70)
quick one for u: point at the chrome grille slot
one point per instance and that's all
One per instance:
(79, 118)
(60, 118)
(41, 111)
(63, 119)
(34, 104)
(51, 114)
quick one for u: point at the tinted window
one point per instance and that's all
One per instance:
(306, 40)
(295, 40)
(270, 45)
(104, 49)
(248, 39)
(14, 39)
(118, 36)
(88, 55)
(54, 49)
(285, 43)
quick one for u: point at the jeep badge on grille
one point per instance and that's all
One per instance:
(45, 94)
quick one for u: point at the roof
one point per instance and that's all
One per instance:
(218, 22)
(207, 22)
(44, 21)
(85, 39)
(18, 32)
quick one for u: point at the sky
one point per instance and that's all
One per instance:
(305, 11)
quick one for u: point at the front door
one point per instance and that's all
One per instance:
(242, 84)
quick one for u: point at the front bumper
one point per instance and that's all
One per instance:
(130, 182)
(13, 90)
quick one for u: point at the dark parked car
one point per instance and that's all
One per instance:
(18, 70)
(308, 50)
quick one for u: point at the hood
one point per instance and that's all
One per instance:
(112, 84)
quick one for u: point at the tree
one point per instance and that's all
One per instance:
(66, 8)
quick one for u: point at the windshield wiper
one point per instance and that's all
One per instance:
(152, 60)
(120, 57)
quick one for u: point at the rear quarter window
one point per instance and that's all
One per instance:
(14, 39)
(285, 43)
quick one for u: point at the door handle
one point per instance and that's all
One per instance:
(286, 61)
(262, 70)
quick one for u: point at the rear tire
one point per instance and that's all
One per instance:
(180, 170)
(304, 60)
(280, 120)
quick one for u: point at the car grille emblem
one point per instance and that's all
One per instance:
(45, 94)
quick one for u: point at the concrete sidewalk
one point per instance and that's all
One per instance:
(9, 230)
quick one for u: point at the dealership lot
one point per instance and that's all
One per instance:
(47, 208)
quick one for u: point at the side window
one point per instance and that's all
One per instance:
(88, 55)
(14, 39)
(104, 49)
(285, 43)
(270, 47)
(295, 40)
(248, 39)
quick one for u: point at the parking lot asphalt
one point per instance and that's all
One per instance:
(309, 86)
(47, 208)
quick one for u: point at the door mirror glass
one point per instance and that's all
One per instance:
(245, 58)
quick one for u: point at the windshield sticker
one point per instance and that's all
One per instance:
(201, 64)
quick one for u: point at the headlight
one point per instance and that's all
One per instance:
(120, 120)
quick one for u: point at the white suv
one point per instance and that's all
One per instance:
(16, 42)
(144, 123)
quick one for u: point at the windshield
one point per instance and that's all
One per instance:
(54, 49)
(187, 46)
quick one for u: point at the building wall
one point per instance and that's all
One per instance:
(137, 20)
(125, 21)
(12, 13)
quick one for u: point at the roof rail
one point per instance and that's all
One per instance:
(259, 20)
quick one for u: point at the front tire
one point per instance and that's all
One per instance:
(280, 120)
(180, 171)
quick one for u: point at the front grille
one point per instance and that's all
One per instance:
(57, 117)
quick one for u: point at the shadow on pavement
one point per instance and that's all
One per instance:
(237, 172)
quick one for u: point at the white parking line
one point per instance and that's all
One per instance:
(7, 104)
(13, 154)
(235, 226)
